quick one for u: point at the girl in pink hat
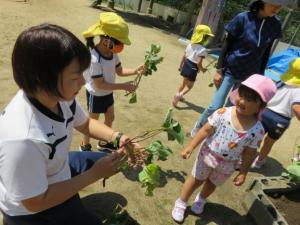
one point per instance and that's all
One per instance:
(231, 134)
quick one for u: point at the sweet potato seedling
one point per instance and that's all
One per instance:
(137, 158)
(150, 64)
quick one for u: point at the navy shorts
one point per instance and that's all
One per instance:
(274, 123)
(189, 70)
(99, 104)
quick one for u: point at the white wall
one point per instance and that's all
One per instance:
(158, 10)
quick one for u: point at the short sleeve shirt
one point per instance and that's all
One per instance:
(228, 142)
(34, 147)
(194, 51)
(100, 66)
(285, 97)
(253, 37)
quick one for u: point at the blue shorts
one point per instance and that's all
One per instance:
(189, 70)
(274, 123)
(99, 104)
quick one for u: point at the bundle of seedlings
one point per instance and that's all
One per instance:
(150, 64)
(143, 157)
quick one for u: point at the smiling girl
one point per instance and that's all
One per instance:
(230, 134)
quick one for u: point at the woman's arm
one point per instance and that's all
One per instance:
(58, 193)
(203, 133)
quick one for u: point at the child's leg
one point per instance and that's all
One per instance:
(188, 86)
(190, 185)
(266, 147)
(86, 139)
(109, 116)
(208, 189)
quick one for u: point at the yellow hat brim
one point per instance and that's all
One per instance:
(96, 30)
(196, 38)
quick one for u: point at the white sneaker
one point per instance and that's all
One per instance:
(257, 164)
(198, 205)
(179, 210)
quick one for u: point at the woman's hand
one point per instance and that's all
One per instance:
(108, 165)
(186, 152)
(218, 78)
(239, 179)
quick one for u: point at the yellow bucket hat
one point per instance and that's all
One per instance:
(109, 24)
(199, 33)
(292, 76)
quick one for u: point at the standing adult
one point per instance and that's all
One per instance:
(250, 36)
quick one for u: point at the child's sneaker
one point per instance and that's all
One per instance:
(257, 164)
(85, 148)
(106, 146)
(176, 99)
(179, 210)
(198, 205)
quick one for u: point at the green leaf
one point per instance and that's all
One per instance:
(294, 172)
(133, 98)
(168, 120)
(157, 148)
(149, 177)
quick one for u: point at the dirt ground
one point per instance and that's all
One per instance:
(154, 98)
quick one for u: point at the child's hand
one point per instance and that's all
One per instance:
(129, 86)
(140, 70)
(186, 153)
(239, 179)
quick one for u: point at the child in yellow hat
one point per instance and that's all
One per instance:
(105, 64)
(280, 110)
(191, 62)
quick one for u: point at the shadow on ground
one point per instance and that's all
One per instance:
(271, 168)
(145, 20)
(133, 175)
(219, 214)
(190, 106)
(108, 206)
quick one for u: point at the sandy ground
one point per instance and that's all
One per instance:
(154, 98)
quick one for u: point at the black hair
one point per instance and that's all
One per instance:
(256, 6)
(40, 55)
(90, 42)
(250, 95)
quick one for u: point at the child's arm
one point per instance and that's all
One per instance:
(102, 85)
(128, 72)
(248, 157)
(199, 65)
(296, 110)
(181, 63)
(203, 133)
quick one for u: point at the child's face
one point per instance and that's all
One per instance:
(246, 106)
(71, 81)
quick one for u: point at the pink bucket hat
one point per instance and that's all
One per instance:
(264, 86)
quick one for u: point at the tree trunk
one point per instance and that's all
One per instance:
(111, 4)
(140, 5)
(190, 12)
(210, 14)
(149, 10)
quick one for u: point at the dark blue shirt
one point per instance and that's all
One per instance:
(253, 36)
